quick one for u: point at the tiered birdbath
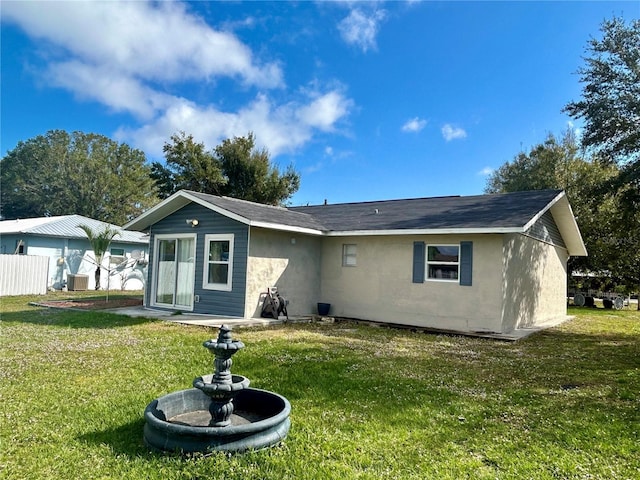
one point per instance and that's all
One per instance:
(220, 413)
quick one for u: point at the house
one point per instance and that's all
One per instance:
(486, 263)
(70, 253)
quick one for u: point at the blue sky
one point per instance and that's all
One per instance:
(368, 101)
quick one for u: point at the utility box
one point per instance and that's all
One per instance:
(77, 283)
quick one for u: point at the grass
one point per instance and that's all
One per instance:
(367, 403)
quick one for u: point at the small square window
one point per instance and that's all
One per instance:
(117, 252)
(349, 252)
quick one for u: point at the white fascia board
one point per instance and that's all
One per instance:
(425, 231)
(566, 222)
(172, 204)
(286, 228)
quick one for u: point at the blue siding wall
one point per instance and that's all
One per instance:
(212, 302)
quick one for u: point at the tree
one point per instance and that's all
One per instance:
(612, 248)
(188, 166)
(249, 174)
(100, 241)
(610, 105)
(234, 168)
(610, 108)
(86, 174)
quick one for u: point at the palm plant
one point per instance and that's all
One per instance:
(100, 241)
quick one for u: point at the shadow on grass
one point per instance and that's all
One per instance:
(123, 440)
(72, 318)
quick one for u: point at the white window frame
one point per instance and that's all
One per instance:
(205, 274)
(439, 262)
(154, 276)
(347, 256)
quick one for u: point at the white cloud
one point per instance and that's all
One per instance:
(414, 125)
(132, 57)
(279, 128)
(116, 90)
(450, 132)
(325, 110)
(151, 41)
(360, 29)
(486, 171)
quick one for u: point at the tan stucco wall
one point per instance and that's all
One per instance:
(534, 282)
(292, 267)
(380, 287)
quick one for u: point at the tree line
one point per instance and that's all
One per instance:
(88, 174)
(61, 173)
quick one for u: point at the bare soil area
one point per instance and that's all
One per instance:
(93, 303)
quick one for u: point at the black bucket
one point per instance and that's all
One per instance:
(323, 308)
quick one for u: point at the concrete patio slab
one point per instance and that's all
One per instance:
(200, 320)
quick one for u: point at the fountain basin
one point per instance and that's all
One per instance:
(179, 422)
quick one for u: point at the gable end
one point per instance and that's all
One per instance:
(545, 229)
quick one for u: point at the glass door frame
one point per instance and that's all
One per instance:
(156, 266)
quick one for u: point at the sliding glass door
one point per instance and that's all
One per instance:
(174, 269)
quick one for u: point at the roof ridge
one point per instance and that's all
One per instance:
(375, 201)
(429, 198)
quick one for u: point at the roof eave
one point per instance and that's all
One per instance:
(172, 204)
(424, 231)
(287, 228)
(566, 222)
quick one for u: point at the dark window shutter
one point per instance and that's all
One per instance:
(418, 262)
(466, 263)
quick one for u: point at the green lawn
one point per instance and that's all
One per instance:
(367, 403)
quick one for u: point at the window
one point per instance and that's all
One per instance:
(218, 264)
(117, 252)
(349, 252)
(443, 262)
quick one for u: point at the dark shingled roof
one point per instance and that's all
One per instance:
(509, 210)
(487, 212)
(257, 212)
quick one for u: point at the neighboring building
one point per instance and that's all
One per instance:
(70, 253)
(487, 263)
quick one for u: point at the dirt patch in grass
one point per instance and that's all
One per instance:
(93, 303)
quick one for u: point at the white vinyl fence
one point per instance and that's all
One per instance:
(23, 275)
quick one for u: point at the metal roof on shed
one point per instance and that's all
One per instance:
(67, 226)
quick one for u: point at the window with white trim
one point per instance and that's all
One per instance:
(443, 262)
(349, 252)
(218, 264)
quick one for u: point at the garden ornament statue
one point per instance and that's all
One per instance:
(220, 414)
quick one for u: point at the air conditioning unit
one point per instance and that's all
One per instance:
(77, 282)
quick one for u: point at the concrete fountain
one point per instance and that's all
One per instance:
(222, 413)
